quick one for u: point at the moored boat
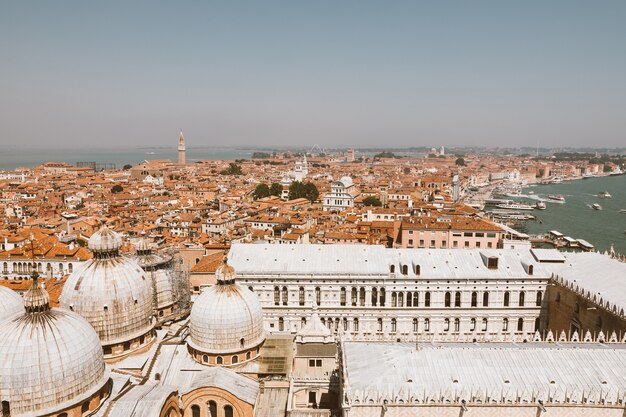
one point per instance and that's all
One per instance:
(596, 206)
(556, 197)
(540, 205)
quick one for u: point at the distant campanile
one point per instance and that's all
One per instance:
(181, 149)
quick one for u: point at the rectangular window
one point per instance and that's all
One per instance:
(455, 244)
(491, 235)
(468, 234)
(479, 234)
(311, 363)
(410, 242)
(421, 243)
(318, 363)
(466, 244)
(432, 243)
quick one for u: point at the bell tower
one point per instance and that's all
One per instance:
(181, 149)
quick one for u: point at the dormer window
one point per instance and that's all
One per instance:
(492, 262)
(417, 270)
(392, 268)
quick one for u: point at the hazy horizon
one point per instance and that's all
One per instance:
(285, 74)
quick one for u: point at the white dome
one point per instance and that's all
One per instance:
(105, 240)
(346, 181)
(50, 359)
(114, 295)
(10, 303)
(159, 269)
(223, 315)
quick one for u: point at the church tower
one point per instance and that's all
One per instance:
(181, 149)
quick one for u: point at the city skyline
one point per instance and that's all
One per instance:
(281, 74)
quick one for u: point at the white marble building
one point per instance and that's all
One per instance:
(373, 293)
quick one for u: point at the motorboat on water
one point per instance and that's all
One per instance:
(556, 197)
(616, 171)
(588, 175)
(540, 205)
(605, 194)
(596, 206)
(515, 206)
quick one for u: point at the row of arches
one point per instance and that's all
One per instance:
(213, 410)
(27, 267)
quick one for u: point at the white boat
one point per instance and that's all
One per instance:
(588, 175)
(616, 171)
(596, 206)
(622, 211)
(515, 206)
(556, 180)
(540, 205)
(556, 197)
(605, 194)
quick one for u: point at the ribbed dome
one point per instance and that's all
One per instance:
(10, 303)
(158, 269)
(223, 315)
(50, 359)
(112, 293)
(105, 241)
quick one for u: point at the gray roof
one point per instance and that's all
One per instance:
(375, 260)
(596, 276)
(500, 373)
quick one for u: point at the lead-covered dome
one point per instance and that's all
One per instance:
(10, 303)
(113, 294)
(227, 318)
(50, 360)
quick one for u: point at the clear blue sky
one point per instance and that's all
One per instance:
(336, 73)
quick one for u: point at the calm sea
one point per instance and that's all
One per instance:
(576, 218)
(14, 158)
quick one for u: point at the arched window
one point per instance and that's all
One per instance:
(520, 324)
(353, 296)
(392, 268)
(285, 296)
(382, 297)
(234, 359)
(276, 296)
(447, 299)
(394, 299)
(505, 325)
(474, 299)
(362, 297)
(426, 325)
(409, 299)
(537, 324)
(212, 409)
(301, 296)
(416, 299)
(228, 411)
(342, 296)
(522, 298)
(457, 299)
(345, 324)
(457, 325)
(70, 267)
(84, 407)
(219, 360)
(281, 324)
(248, 355)
(507, 297)
(355, 325)
(405, 270)
(6, 409)
(472, 324)
(484, 325)
(427, 299)
(318, 296)
(538, 299)
(400, 299)
(380, 324)
(205, 358)
(414, 325)
(374, 296)
(195, 411)
(446, 325)
(394, 324)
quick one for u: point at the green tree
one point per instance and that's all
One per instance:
(127, 167)
(307, 190)
(372, 201)
(261, 191)
(117, 189)
(460, 162)
(276, 189)
(233, 169)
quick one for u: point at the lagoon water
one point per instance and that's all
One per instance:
(12, 158)
(576, 218)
